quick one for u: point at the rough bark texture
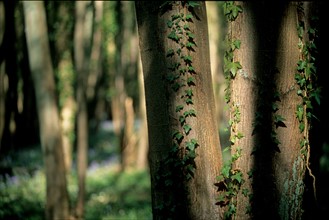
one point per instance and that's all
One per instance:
(163, 119)
(57, 205)
(265, 90)
(243, 100)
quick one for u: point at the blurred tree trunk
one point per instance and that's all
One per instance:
(82, 41)
(143, 146)
(11, 111)
(216, 37)
(60, 25)
(182, 177)
(57, 204)
(126, 71)
(119, 95)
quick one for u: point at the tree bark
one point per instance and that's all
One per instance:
(82, 41)
(264, 91)
(57, 203)
(162, 117)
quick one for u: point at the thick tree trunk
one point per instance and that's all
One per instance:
(265, 99)
(242, 104)
(57, 203)
(164, 103)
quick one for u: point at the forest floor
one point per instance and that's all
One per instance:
(110, 192)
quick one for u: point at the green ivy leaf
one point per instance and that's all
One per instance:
(169, 24)
(192, 4)
(190, 80)
(189, 93)
(189, 16)
(190, 35)
(187, 58)
(190, 45)
(234, 67)
(173, 36)
(237, 176)
(170, 53)
(189, 101)
(181, 119)
(300, 112)
(187, 128)
(279, 121)
(179, 108)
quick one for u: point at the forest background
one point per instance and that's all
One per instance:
(97, 84)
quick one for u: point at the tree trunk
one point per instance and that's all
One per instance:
(265, 132)
(180, 110)
(82, 41)
(142, 147)
(57, 204)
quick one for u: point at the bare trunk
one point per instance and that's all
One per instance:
(57, 204)
(143, 133)
(82, 40)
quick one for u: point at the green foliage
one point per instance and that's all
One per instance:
(179, 165)
(231, 10)
(109, 195)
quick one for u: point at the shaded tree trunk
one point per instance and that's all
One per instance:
(57, 203)
(182, 177)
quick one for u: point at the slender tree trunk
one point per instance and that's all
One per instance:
(82, 40)
(182, 177)
(143, 133)
(57, 203)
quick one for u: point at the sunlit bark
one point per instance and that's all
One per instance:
(57, 203)
(199, 201)
(82, 40)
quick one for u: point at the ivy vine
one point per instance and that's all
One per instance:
(230, 179)
(181, 82)
(306, 78)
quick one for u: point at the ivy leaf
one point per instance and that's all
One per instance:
(189, 92)
(178, 136)
(190, 45)
(190, 80)
(189, 101)
(235, 45)
(234, 67)
(173, 36)
(187, 58)
(278, 121)
(190, 112)
(181, 119)
(239, 135)
(237, 176)
(189, 16)
(192, 4)
(187, 128)
(300, 112)
(190, 35)
(170, 53)
(179, 108)
(169, 24)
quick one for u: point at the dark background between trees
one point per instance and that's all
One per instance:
(100, 101)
